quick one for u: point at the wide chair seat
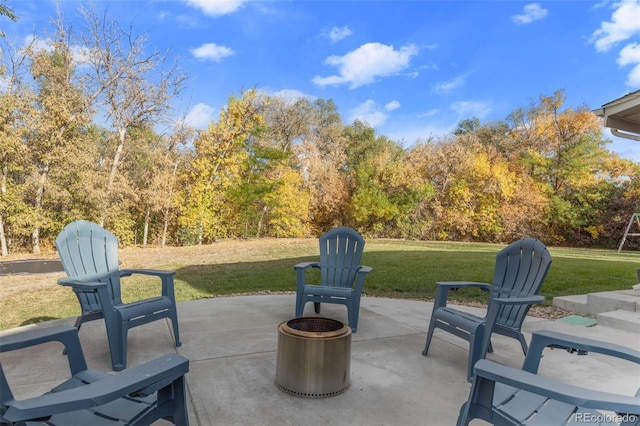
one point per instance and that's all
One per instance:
(341, 275)
(333, 292)
(459, 319)
(137, 396)
(519, 273)
(89, 255)
(146, 308)
(503, 395)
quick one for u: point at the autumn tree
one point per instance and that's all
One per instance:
(285, 201)
(384, 196)
(16, 100)
(619, 189)
(170, 165)
(322, 157)
(132, 87)
(565, 152)
(520, 210)
(216, 165)
(57, 122)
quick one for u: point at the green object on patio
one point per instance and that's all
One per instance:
(578, 320)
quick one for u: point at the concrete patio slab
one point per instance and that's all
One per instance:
(231, 343)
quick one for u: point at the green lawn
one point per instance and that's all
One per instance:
(403, 269)
(411, 269)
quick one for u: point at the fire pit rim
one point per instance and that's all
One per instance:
(341, 331)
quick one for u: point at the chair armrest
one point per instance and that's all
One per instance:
(558, 391)
(90, 287)
(361, 273)
(364, 269)
(543, 338)
(529, 300)
(305, 265)
(82, 286)
(443, 287)
(68, 336)
(462, 284)
(97, 277)
(142, 379)
(301, 269)
(154, 272)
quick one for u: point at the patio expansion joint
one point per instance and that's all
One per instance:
(394, 336)
(223, 357)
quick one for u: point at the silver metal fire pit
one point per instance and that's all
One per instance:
(314, 357)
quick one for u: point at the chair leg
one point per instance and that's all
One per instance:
(475, 343)
(78, 322)
(523, 343)
(352, 313)
(176, 393)
(117, 337)
(463, 416)
(176, 332)
(77, 325)
(299, 306)
(432, 326)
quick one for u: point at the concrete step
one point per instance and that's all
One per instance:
(621, 320)
(593, 304)
(577, 303)
(607, 301)
(616, 309)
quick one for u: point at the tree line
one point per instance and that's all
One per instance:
(274, 167)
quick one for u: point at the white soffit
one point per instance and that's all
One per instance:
(622, 116)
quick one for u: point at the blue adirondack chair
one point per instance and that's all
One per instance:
(504, 395)
(519, 273)
(341, 275)
(138, 396)
(89, 255)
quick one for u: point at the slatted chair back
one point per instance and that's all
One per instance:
(519, 272)
(90, 253)
(340, 255)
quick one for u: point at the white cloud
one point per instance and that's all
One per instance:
(630, 54)
(217, 7)
(390, 106)
(365, 64)
(429, 113)
(532, 12)
(448, 86)
(369, 112)
(200, 116)
(633, 80)
(467, 109)
(624, 24)
(211, 51)
(337, 34)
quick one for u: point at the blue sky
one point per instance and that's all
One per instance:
(411, 69)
